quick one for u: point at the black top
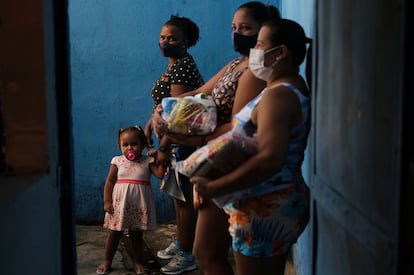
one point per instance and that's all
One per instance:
(183, 72)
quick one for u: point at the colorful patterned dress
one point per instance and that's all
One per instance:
(224, 91)
(272, 215)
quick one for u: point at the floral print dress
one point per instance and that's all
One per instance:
(132, 197)
(224, 92)
(267, 218)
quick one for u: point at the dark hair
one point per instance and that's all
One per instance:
(261, 12)
(187, 26)
(291, 34)
(138, 130)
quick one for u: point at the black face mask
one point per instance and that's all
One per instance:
(169, 50)
(243, 43)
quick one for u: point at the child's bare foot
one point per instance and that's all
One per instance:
(103, 269)
(139, 269)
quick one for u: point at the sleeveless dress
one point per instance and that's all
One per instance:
(224, 92)
(132, 196)
(267, 219)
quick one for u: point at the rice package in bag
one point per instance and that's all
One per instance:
(190, 115)
(218, 157)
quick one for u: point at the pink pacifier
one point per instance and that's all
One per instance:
(131, 155)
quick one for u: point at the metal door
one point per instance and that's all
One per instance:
(356, 139)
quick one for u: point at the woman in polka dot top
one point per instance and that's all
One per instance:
(181, 75)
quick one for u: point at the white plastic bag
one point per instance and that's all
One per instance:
(219, 157)
(190, 115)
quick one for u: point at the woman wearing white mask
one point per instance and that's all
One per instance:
(264, 226)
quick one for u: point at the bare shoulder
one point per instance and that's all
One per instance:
(279, 95)
(281, 91)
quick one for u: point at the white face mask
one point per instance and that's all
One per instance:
(256, 63)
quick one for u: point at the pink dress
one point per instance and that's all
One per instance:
(132, 197)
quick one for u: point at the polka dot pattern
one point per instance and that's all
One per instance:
(183, 72)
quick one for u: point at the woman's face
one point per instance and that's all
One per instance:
(171, 34)
(263, 39)
(264, 43)
(243, 23)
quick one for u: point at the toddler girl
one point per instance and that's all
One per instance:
(128, 196)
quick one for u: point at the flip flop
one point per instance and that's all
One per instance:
(103, 272)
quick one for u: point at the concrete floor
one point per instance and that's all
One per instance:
(90, 242)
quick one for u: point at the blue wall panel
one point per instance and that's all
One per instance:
(303, 11)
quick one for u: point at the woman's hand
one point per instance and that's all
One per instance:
(148, 135)
(201, 187)
(159, 125)
(152, 153)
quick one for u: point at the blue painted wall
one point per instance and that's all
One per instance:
(303, 12)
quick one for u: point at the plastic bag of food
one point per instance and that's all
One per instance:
(190, 115)
(218, 157)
